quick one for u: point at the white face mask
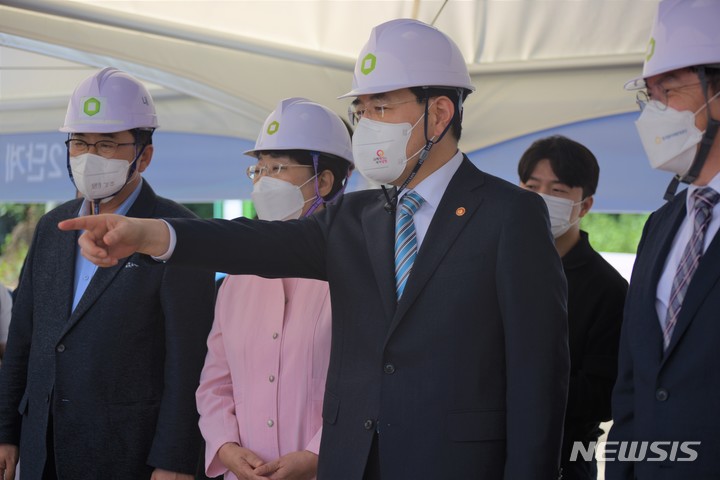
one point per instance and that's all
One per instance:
(380, 149)
(669, 136)
(99, 178)
(560, 211)
(276, 199)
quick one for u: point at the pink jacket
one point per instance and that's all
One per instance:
(264, 377)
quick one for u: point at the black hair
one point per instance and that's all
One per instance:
(339, 167)
(424, 93)
(573, 163)
(712, 75)
(142, 136)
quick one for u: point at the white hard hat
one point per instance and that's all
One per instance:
(685, 33)
(109, 101)
(407, 53)
(300, 124)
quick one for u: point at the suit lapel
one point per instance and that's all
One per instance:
(656, 254)
(99, 283)
(379, 228)
(463, 191)
(103, 277)
(66, 242)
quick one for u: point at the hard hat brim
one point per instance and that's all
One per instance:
(254, 151)
(356, 92)
(636, 83)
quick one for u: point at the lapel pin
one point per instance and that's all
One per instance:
(460, 211)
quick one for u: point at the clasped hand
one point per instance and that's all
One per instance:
(246, 465)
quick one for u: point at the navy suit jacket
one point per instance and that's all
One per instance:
(670, 396)
(119, 373)
(466, 376)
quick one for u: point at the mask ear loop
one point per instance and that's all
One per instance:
(133, 165)
(318, 199)
(342, 188)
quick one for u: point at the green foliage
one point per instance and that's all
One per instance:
(17, 223)
(202, 210)
(13, 210)
(11, 263)
(613, 232)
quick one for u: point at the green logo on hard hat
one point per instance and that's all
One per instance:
(273, 127)
(368, 63)
(91, 106)
(650, 50)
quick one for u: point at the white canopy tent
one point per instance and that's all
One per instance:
(217, 68)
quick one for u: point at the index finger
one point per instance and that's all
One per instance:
(78, 223)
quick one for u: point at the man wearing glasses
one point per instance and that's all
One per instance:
(101, 365)
(668, 384)
(449, 354)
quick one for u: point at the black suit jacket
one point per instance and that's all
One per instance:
(670, 396)
(119, 373)
(466, 376)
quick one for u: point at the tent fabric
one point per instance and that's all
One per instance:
(217, 68)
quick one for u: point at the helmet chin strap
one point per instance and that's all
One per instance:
(706, 144)
(391, 202)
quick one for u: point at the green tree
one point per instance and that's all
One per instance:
(614, 232)
(20, 221)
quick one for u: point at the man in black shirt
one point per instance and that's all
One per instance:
(565, 173)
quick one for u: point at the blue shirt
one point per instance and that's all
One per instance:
(84, 268)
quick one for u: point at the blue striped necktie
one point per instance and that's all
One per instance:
(405, 239)
(704, 202)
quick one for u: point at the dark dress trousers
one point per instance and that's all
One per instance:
(596, 297)
(673, 395)
(466, 376)
(118, 374)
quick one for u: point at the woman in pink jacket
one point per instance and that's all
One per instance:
(261, 390)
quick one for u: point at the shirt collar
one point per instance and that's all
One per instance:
(579, 254)
(432, 188)
(122, 209)
(714, 184)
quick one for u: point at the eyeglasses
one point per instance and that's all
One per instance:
(659, 94)
(104, 148)
(374, 108)
(256, 171)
